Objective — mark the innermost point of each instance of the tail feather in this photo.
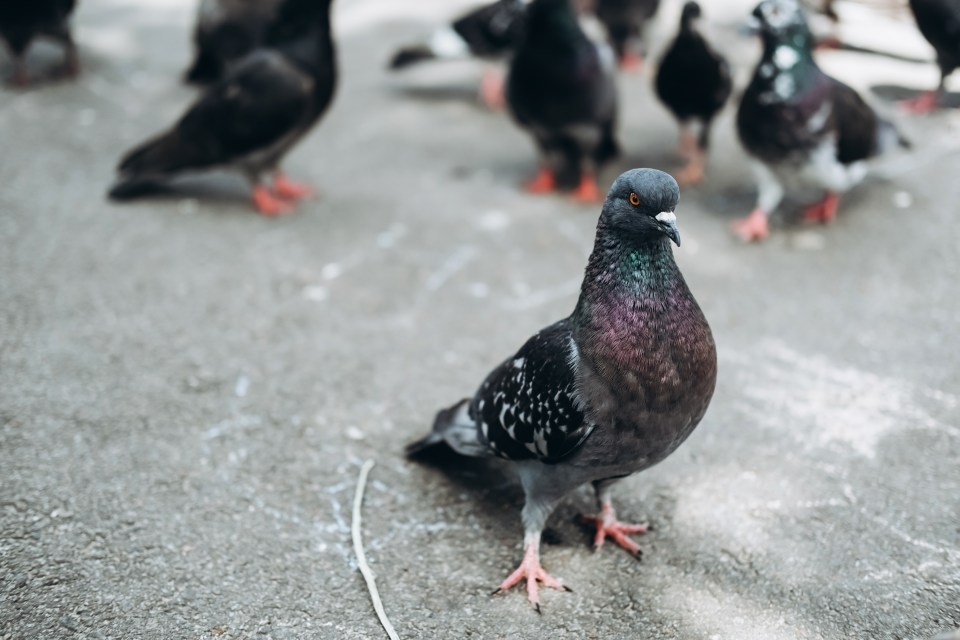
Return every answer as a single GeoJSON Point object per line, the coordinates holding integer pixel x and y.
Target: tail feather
{"type": "Point", "coordinates": [411, 55]}
{"type": "Point", "coordinates": [152, 162]}
{"type": "Point", "coordinates": [453, 429]}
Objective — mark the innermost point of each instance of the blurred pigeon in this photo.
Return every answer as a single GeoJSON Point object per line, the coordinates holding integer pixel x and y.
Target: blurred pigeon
{"type": "Point", "coordinates": [625, 21]}
{"type": "Point", "coordinates": [22, 20]}
{"type": "Point", "coordinates": [250, 119]}
{"type": "Point", "coordinates": [226, 31]}
{"type": "Point", "coordinates": [562, 88]}
{"type": "Point", "coordinates": [801, 126]}
{"type": "Point", "coordinates": [694, 82]}
{"type": "Point", "coordinates": [490, 31]}
{"type": "Point", "coordinates": [604, 393]}
{"type": "Point", "coordinates": [939, 22]}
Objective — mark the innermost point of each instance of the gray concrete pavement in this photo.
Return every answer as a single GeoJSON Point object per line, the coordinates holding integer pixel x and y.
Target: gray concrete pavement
{"type": "Point", "coordinates": [187, 390]}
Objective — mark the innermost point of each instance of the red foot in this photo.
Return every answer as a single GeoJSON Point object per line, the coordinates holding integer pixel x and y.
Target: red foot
{"type": "Point", "coordinates": [543, 182]}
{"type": "Point", "coordinates": [693, 173]}
{"type": "Point", "coordinates": [267, 204]}
{"type": "Point", "coordinates": [922, 104]}
{"type": "Point", "coordinates": [587, 191]}
{"type": "Point", "coordinates": [531, 571]}
{"type": "Point", "coordinates": [287, 189]}
{"type": "Point", "coordinates": [491, 90]}
{"type": "Point", "coordinates": [829, 42]}
{"type": "Point", "coordinates": [824, 211]}
{"type": "Point", "coordinates": [608, 526]}
{"type": "Point", "coordinates": [753, 227]}
{"type": "Point", "coordinates": [631, 61]}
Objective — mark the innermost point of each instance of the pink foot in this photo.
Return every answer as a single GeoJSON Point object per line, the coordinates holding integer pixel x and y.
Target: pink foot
{"type": "Point", "coordinates": [609, 527]}
{"type": "Point", "coordinates": [287, 189]}
{"type": "Point", "coordinates": [922, 104]}
{"type": "Point", "coordinates": [753, 227]}
{"type": "Point", "coordinates": [267, 204]}
{"type": "Point", "coordinates": [531, 571]}
{"type": "Point", "coordinates": [824, 211]}
{"type": "Point", "coordinates": [587, 191]}
{"type": "Point", "coordinates": [693, 173]}
{"type": "Point", "coordinates": [543, 182]}
{"type": "Point", "coordinates": [632, 62]}
{"type": "Point", "coordinates": [491, 90]}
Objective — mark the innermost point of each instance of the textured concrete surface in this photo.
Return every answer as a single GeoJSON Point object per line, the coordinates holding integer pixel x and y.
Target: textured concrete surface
{"type": "Point", "coordinates": [187, 390]}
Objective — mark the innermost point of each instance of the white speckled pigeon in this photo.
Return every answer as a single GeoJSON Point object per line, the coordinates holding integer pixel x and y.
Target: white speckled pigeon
{"type": "Point", "coordinates": [608, 391]}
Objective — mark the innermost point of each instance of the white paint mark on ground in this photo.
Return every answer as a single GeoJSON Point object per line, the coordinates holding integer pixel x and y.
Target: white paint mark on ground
{"type": "Point", "coordinates": [456, 262]}
{"type": "Point", "coordinates": [231, 424]}
{"type": "Point", "coordinates": [493, 220]}
{"type": "Point", "coordinates": [843, 405]}
{"type": "Point", "coordinates": [242, 386]}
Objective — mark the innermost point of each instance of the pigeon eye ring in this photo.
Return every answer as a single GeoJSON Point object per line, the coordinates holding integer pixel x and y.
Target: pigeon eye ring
{"type": "Point", "coordinates": [634, 199]}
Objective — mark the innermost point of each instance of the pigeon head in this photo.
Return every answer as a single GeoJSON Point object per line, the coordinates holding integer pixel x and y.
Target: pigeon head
{"type": "Point", "coordinates": [640, 206]}
{"type": "Point", "coordinates": [781, 22]}
{"type": "Point", "coordinates": [691, 11]}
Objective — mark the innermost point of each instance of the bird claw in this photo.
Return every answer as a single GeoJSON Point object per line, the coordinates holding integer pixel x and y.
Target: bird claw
{"type": "Point", "coordinates": [269, 205]}
{"type": "Point", "coordinates": [754, 227]}
{"type": "Point", "coordinates": [920, 105]}
{"type": "Point", "coordinates": [287, 189]}
{"type": "Point", "coordinates": [531, 571]}
{"type": "Point", "coordinates": [543, 182]}
{"type": "Point", "coordinates": [609, 527]}
{"type": "Point", "coordinates": [587, 191]}
{"type": "Point", "coordinates": [631, 62]}
{"type": "Point", "coordinates": [824, 211]}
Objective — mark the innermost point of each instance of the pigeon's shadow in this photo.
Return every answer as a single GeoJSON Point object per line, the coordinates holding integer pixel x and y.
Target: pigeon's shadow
{"type": "Point", "coordinates": [209, 189]}
{"type": "Point", "coordinates": [896, 93]}
{"type": "Point", "coordinates": [496, 493]}
{"type": "Point", "coordinates": [441, 93]}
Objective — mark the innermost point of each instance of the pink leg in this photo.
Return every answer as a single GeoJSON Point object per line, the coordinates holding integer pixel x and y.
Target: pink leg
{"type": "Point", "coordinates": [922, 104]}
{"type": "Point", "coordinates": [693, 173]}
{"type": "Point", "coordinates": [824, 211]}
{"type": "Point", "coordinates": [609, 527]}
{"type": "Point", "coordinates": [753, 227]}
{"type": "Point", "coordinates": [531, 571]}
{"type": "Point", "coordinates": [267, 204]}
{"type": "Point", "coordinates": [491, 90]}
{"type": "Point", "coordinates": [287, 189]}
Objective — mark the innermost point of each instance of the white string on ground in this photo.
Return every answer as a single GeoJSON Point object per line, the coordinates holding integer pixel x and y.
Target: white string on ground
{"type": "Point", "coordinates": [361, 556]}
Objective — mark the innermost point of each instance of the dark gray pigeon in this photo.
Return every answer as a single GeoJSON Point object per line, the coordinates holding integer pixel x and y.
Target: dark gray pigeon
{"type": "Point", "coordinates": [490, 31]}
{"type": "Point", "coordinates": [23, 20]}
{"type": "Point", "coordinates": [561, 87]}
{"type": "Point", "coordinates": [251, 118]}
{"type": "Point", "coordinates": [225, 32]}
{"type": "Point", "coordinates": [939, 22]}
{"type": "Point", "coordinates": [802, 127]}
{"type": "Point", "coordinates": [693, 81]}
{"type": "Point", "coordinates": [626, 22]}
{"type": "Point", "coordinates": [606, 392]}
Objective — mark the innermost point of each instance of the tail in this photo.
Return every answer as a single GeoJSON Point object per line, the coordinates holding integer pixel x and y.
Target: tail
{"type": "Point", "coordinates": [152, 162]}
{"type": "Point", "coordinates": [409, 56]}
{"type": "Point", "coordinates": [889, 137]}
{"type": "Point", "coordinates": [444, 43]}
{"type": "Point", "coordinates": [454, 430]}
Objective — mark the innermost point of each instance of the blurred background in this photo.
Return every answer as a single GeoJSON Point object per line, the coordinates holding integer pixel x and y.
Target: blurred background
{"type": "Point", "coordinates": [188, 388]}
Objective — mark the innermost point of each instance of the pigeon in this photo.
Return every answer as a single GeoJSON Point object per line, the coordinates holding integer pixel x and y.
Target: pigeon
{"type": "Point", "coordinates": [21, 21]}
{"type": "Point", "coordinates": [226, 31]}
{"type": "Point", "coordinates": [693, 81]}
{"type": "Point", "coordinates": [625, 21]}
{"type": "Point", "coordinates": [252, 117]}
{"type": "Point", "coordinates": [800, 126]}
{"type": "Point", "coordinates": [608, 391]}
{"type": "Point", "coordinates": [561, 86]}
{"type": "Point", "coordinates": [490, 31]}
{"type": "Point", "coordinates": [939, 22]}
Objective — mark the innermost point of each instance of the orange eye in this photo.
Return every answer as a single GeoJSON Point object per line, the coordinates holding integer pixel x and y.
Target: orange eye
{"type": "Point", "coordinates": [634, 199]}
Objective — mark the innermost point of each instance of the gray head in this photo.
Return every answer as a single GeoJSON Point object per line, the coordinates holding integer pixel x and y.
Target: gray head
{"type": "Point", "coordinates": [640, 206]}
{"type": "Point", "coordinates": [781, 22]}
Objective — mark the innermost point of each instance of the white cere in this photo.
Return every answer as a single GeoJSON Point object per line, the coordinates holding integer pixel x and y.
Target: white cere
{"type": "Point", "coordinates": [667, 217]}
